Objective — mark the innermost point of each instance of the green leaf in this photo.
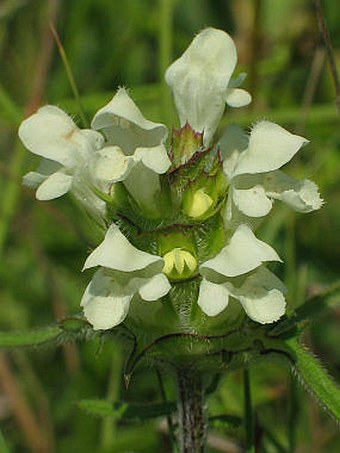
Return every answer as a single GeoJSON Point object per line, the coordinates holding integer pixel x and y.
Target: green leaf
{"type": "Point", "coordinates": [149, 411]}
{"type": "Point", "coordinates": [73, 324]}
{"type": "Point", "coordinates": [316, 378]}
{"type": "Point", "coordinates": [29, 338]}
{"type": "Point", "coordinates": [225, 421]}
{"type": "Point", "coordinates": [102, 408]}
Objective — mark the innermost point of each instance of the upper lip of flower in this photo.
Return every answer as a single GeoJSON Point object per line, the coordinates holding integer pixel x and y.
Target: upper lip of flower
{"type": "Point", "coordinates": [200, 81]}
{"type": "Point", "coordinates": [242, 254]}
{"type": "Point", "coordinates": [116, 253]}
{"type": "Point", "coordinates": [52, 134]}
{"type": "Point", "coordinates": [123, 125]}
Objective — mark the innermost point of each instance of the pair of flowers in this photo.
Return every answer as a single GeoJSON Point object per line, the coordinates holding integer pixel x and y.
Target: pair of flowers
{"type": "Point", "coordinates": [77, 160]}
{"type": "Point", "coordinates": [126, 272]}
{"type": "Point", "coordinates": [131, 149]}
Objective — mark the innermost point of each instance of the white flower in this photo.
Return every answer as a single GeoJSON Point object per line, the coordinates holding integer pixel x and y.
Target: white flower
{"type": "Point", "coordinates": [238, 271]}
{"type": "Point", "coordinates": [52, 134]}
{"type": "Point", "coordinates": [124, 271]}
{"type": "Point", "coordinates": [251, 166]}
{"type": "Point", "coordinates": [200, 81]}
{"type": "Point", "coordinates": [136, 153]}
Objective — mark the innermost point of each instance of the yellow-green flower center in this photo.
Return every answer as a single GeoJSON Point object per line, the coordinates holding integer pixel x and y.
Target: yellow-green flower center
{"type": "Point", "coordinates": [179, 264]}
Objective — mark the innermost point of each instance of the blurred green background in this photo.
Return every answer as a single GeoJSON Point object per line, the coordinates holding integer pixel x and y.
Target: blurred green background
{"type": "Point", "coordinates": [43, 244]}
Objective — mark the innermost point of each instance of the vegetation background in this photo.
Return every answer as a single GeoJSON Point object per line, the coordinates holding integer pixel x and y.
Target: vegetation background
{"type": "Point", "coordinates": [43, 244]}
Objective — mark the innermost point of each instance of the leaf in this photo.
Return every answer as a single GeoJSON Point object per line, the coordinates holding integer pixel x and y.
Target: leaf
{"type": "Point", "coordinates": [315, 377]}
{"type": "Point", "coordinates": [74, 324]}
{"type": "Point", "coordinates": [29, 338]}
{"type": "Point", "coordinates": [150, 411]}
{"type": "Point", "coordinates": [225, 421]}
{"type": "Point", "coordinates": [102, 408]}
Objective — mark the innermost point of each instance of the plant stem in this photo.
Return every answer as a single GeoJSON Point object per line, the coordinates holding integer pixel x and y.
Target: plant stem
{"type": "Point", "coordinates": [329, 48]}
{"type": "Point", "coordinates": [109, 425]}
{"type": "Point", "coordinates": [166, 8]}
{"type": "Point", "coordinates": [70, 76]}
{"type": "Point", "coordinates": [191, 412]}
{"type": "Point", "coordinates": [165, 401]}
{"type": "Point", "coordinates": [248, 413]}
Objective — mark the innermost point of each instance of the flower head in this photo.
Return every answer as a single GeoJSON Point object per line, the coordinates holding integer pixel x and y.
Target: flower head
{"type": "Point", "coordinates": [201, 81]}
{"type": "Point", "coordinates": [193, 208]}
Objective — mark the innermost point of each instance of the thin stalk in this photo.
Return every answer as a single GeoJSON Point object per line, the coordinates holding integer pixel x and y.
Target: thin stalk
{"type": "Point", "coordinates": [165, 53]}
{"type": "Point", "coordinates": [255, 50]}
{"type": "Point", "coordinates": [248, 414]}
{"type": "Point", "coordinates": [168, 417]}
{"type": "Point", "coordinates": [191, 412]}
{"type": "Point", "coordinates": [10, 194]}
{"type": "Point", "coordinates": [109, 425]}
{"type": "Point", "coordinates": [70, 77]}
{"type": "Point", "coordinates": [310, 88]}
{"type": "Point", "coordinates": [329, 48]}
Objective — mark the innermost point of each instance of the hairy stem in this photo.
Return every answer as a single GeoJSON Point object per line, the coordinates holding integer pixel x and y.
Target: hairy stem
{"type": "Point", "coordinates": [191, 412]}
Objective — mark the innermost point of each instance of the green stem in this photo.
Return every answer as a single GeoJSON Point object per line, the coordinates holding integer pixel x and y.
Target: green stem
{"type": "Point", "coordinates": [70, 77]}
{"type": "Point", "coordinates": [191, 412]}
{"type": "Point", "coordinates": [248, 413]}
{"type": "Point", "coordinates": [165, 54]}
{"type": "Point", "coordinates": [165, 401]}
{"type": "Point", "coordinates": [109, 426]}
{"type": "Point", "coordinates": [11, 192]}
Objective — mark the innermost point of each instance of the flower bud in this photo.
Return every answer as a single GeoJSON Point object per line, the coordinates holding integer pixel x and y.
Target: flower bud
{"type": "Point", "coordinates": [179, 264]}
{"type": "Point", "coordinates": [199, 204]}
